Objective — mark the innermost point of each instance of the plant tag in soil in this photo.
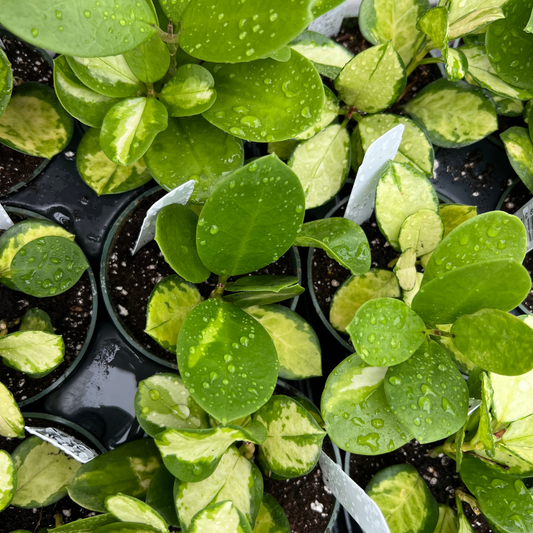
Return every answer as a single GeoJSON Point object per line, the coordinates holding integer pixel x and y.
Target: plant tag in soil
{"type": "Point", "coordinates": [180, 195]}
{"type": "Point", "coordinates": [5, 220]}
{"type": "Point", "coordinates": [352, 497]}
{"type": "Point", "coordinates": [525, 214]}
{"type": "Point", "coordinates": [363, 195]}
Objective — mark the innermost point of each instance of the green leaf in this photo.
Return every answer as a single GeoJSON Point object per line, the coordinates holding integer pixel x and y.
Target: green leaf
{"type": "Point", "coordinates": [386, 332]}
{"type": "Point", "coordinates": [231, 237]}
{"type": "Point", "coordinates": [475, 22]}
{"type": "Point", "coordinates": [373, 79]}
{"type": "Point", "coordinates": [191, 91]}
{"type": "Point", "coordinates": [519, 150]}
{"type": "Point", "coordinates": [227, 360]}
{"type": "Point", "coordinates": [35, 123]}
{"type": "Point", "coordinates": [407, 296]}
{"type": "Point", "coordinates": [484, 433]}
{"type": "Point", "coordinates": [329, 113]}
{"type": "Point", "coordinates": [323, 6]}
{"type": "Point", "coordinates": [173, 10]}
{"type": "Point", "coordinates": [271, 517]}
{"type": "Point", "coordinates": [509, 47]}
{"type": "Point", "coordinates": [232, 32]}
{"type": "Point", "coordinates": [383, 20]}
{"type": "Point", "coordinates": [80, 28]}
{"type": "Point", "coordinates": [294, 440]}
{"type": "Point", "coordinates": [130, 127]}
{"type": "Point", "coordinates": [421, 231]}
{"type": "Point", "coordinates": [8, 479]}
{"type": "Point", "coordinates": [48, 266]}
{"type": "Point", "coordinates": [322, 164]}
{"type": "Point", "coordinates": [508, 107]}
{"type": "Point", "coordinates": [160, 496]}
{"type": "Point", "coordinates": [357, 290]}
{"type": "Point", "coordinates": [483, 73]}
{"type": "Point", "coordinates": [36, 353]}
{"type": "Point", "coordinates": [6, 81]}
{"type": "Point", "coordinates": [129, 509]}
{"type": "Point", "coordinates": [496, 284]}
{"type": "Point", "coordinates": [402, 191]}
{"type": "Point", "coordinates": [36, 320]}
{"type": "Point", "coordinates": [43, 473]}
{"type": "Point", "coordinates": [125, 527]}
{"type": "Point", "coordinates": [464, 524]}
{"type": "Point", "coordinates": [262, 283]}
{"type": "Point", "coordinates": [458, 10]}
{"type": "Point", "coordinates": [453, 114]}
{"type": "Point", "coordinates": [518, 439]}
{"type": "Point", "coordinates": [127, 469]}
{"type": "Point", "coordinates": [434, 405]}
{"type": "Point", "coordinates": [464, 364]}
{"type": "Point", "coordinates": [149, 62]}
{"type": "Point", "coordinates": [83, 103]}
{"type": "Point", "coordinates": [11, 419]}
{"type": "Point", "coordinates": [456, 64]}
{"type": "Point", "coordinates": [454, 215]}
{"type": "Point", "coordinates": [281, 54]}
{"type": "Point", "coordinates": [192, 148]}
{"type": "Point", "coordinates": [513, 396]}
{"type": "Point", "coordinates": [192, 455]}
{"type": "Point", "coordinates": [343, 240]}
{"type": "Point", "coordinates": [405, 270]}
{"type": "Point", "coordinates": [222, 517]}
{"type": "Point", "coordinates": [103, 175]}
{"type": "Point", "coordinates": [404, 499]}
{"type": "Point", "coordinates": [496, 341]}
{"type": "Point", "coordinates": [288, 105]}
{"type": "Point", "coordinates": [284, 149]}
{"type": "Point", "coordinates": [448, 521]}
{"type": "Point", "coordinates": [236, 479]}
{"type": "Point", "coordinates": [357, 416]}
{"type": "Point", "coordinates": [247, 299]}
{"type": "Point", "coordinates": [85, 525]}
{"type": "Point", "coordinates": [328, 56]}
{"type": "Point", "coordinates": [494, 492]}
{"type": "Point", "coordinates": [109, 76]}
{"type": "Point", "coordinates": [295, 340]}
{"type": "Point", "coordinates": [162, 402]}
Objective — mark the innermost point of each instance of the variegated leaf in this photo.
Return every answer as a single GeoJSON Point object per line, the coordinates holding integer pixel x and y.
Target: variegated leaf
{"type": "Point", "coordinates": [6, 81]}
{"type": "Point", "coordinates": [11, 419]}
{"type": "Point", "coordinates": [271, 517]}
{"type": "Point", "coordinates": [8, 479]}
{"type": "Point", "coordinates": [221, 517]}
{"type": "Point", "coordinates": [513, 396]}
{"type": "Point", "coordinates": [129, 509]}
{"type": "Point", "coordinates": [518, 439]}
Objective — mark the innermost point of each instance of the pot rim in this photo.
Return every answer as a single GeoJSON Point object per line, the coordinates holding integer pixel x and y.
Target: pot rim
{"type": "Point", "coordinates": [105, 285]}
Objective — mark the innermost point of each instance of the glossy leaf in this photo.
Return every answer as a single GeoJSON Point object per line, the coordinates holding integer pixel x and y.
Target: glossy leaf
{"type": "Point", "coordinates": [421, 231]}
{"type": "Point", "coordinates": [518, 439]}
{"type": "Point", "coordinates": [323, 6]}
{"type": "Point", "coordinates": [85, 525]}
{"type": "Point", "coordinates": [8, 479]}
{"type": "Point", "coordinates": [221, 517]}
{"type": "Point", "coordinates": [246, 299]}
{"type": "Point", "coordinates": [322, 164]}
{"type": "Point", "coordinates": [453, 114]}
{"type": "Point", "coordinates": [519, 148]}
{"type": "Point", "coordinates": [373, 79]}
{"type": "Point", "coordinates": [6, 81]}
{"type": "Point", "coordinates": [508, 107]}
{"type": "Point", "coordinates": [149, 62]}
{"type": "Point", "coordinates": [36, 320]}
{"type": "Point", "coordinates": [291, 102]}
{"type": "Point", "coordinates": [11, 419]}
{"type": "Point", "coordinates": [330, 112]}
{"type": "Point", "coordinates": [191, 91]}
{"type": "Point", "coordinates": [439, 397]}
{"type": "Point", "coordinates": [407, 296]}
{"type": "Point", "coordinates": [36, 353]}
{"type": "Point", "coordinates": [357, 416]}
{"type": "Point", "coordinates": [34, 122]}
{"type": "Point", "coordinates": [231, 236]}
{"type": "Point", "coordinates": [232, 32]}
{"type": "Point", "coordinates": [101, 174]}
{"type": "Point", "coordinates": [192, 148]}
{"type": "Point", "coordinates": [261, 283]}
{"type": "Point", "coordinates": [129, 509]}
{"type": "Point", "coordinates": [454, 215]}
{"type": "Point", "coordinates": [80, 28]}
{"type": "Point", "coordinates": [160, 496]}
{"type": "Point", "coordinates": [405, 269]}
{"type": "Point", "coordinates": [130, 127]}
{"type": "Point", "coordinates": [172, 10]}
{"type": "Point", "coordinates": [48, 266]}
{"type": "Point", "coordinates": [294, 440]}
{"type": "Point", "coordinates": [513, 396]}
{"type": "Point", "coordinates": [221, 352]}
{"type": "Point", "coordinates": [448, 521]}
{"type": "Point", "coordinates": [127, 469]}
{"type": "Point", "coordinates": [475, 22]}
{"type": "Point", "coordinates": [271, 517]}
{"type": "Point", "coordinates": [43, 473]}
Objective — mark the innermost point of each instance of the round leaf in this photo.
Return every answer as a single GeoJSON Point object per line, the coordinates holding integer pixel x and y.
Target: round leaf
{"type": "Point", "coordinates": [290, 102]}
{"type": "Point", "coordinates": [11, 419]}
{"type": "Point", "coordinates": [160, 496]}
{"type": "Point", "coordinates": [519, 148]}
{"type": "Point", "coordinates": [149, 62]}
{"type": "Point", "coordinates": [231, 236]}
{"type": "Point", "coordinates": [129, 509]}
{"type": "Point", "coordinates": [34, 122]}
{"type": "Point", "coordinates": [271, 517]}
{"type": "Point", "coordinates": [427, 394]}
{"type": "Point", "coordinates": [192, 148]}
{"type": "Point", "coordinates": [513, 396]}
{"type": "Point", "coordinates": [103, 175]}
{"type": "Point", "coordinates": [386, 332]}
{"type": "Point", "coordinates": [357, 415]}
{"type": "Point", "coordinates": [8, 479]}
{"type": "Point", "coordinates": [189, 92]}
{"type": "Point", "coordinates": [329, 113]}
{"type": "Point", "coordinates": [421, 231]}
{"type": "Point", "coordinates": [454, 215]}
{"type": "Point", "coordinates": [508, 107]}
{"type": "Point", "coordinates": [222, 352]}
{"type": "Point", "coordinates": [48, 266]}
{"type": "Point", "coordinates": [6, 81]}
{"type": "Point", "coordinates": [221, 517]}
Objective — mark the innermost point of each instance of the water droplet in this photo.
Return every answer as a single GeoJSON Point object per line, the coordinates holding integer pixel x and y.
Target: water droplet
{"type": "Point", "coordinates": [214, 229]}
{"type": "Point", "coordinates": [35, 32]}
{"type": "Point", "coordinates": [154, 394]}
{"type": "Point", "coordinates": [87, 13]}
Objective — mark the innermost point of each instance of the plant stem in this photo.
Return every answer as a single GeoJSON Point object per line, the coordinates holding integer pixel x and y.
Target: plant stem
{"type": "Point", "coordinates": [218, 292]}
{"type": "Point", "coordinates": [435, 452]}
{"type": "Point", "coordinates": [439, 333]}
{"type": "Point", "coordinates": [470, 500]}
{"type": "Point", "coordinates": [3, 328]}
{"type": "Point", "coordinates": [419, 58]}
{"type": "Point", "coordinates": [58, 517]}
{"type": "Point", "coordinates": [167, 37]}
{"type": "Point", "coordinates": [248, 450]}
{"type": "Point", "coordinates": [150, 90]}
{"type": "Point", "coordinates": [431, 60]}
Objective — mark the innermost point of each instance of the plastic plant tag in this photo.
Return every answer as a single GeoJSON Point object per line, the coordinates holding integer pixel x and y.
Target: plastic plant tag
{"type": "Point", "coordinates": [352, 497]}
{"type": "Point", "coordinates": [330, 23]}
{"type": "Point", "coordinates": [363, 195]}
{"type": "Point", "coordinates": [525, 214]}
{"type": "Point", "coordinates": [66, 443]}
{"type": "Point", "coordinates": [180, 195]}
{"type": "Point", "coordinates": [5, 220]}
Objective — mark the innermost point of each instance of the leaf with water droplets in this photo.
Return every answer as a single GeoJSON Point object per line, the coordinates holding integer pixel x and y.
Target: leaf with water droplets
{"type": "Point", "coordinates": [454, 215]}
{"type": "Point", "coordinates": [129, 509]}
{"type": "Point", "coordinates": [11, 420]}
{"type": "Point", "coordinates": [86, 29]}
{"type": "Point", "coordinates": [223, 517]}
{"type": "Point", "coordinates": [421, 232]}
{"type": "Point", "coordinates": [330, 112]}
{"type": "Point", "coordinates": [519, 148]}
{"type": "Point", "coordinates": [271, 517]}
{"type": "Point", "coordinates": [8, 479]}
{"type": "Point", "coordinates": [323, 6]}
{"type": "Point", "coordinates": [471, 16]}
{"type": "Point", "coordinates": [405, 270]}
{"type": "Point", "coordinates": [149, 62]}
{"type": "Point", "coordinates": [288, 98]}
{"type": "Point", "coordinates": [357, 416]}
{"type": "Point", "coordinates": [386, 332]}
{"type": "Point", "coordinates": [172, 9]}
{"type": "Point", "coordinates": [513, 396]}
{"type": "Point", "coordinates": [294, 439]}
{"type": "Point", "coordinates": [6, 81]}
{"type": "Point", "coordinates": [160, 496]}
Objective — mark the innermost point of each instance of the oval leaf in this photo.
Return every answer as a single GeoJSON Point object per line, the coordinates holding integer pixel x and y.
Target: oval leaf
{"type": "Point", "coordinates": [221, 517]}
{"type": "Point", "coordinates": [6, 81]}
{"type": "Point", "coordinates": [330, 112]}
{"type": "Point", "coordinates": [129, 509]}
{"type": "Point", "coordinates": [421, 232]}
{"type": "Point", "coordinates": [11, 419]}
{"type": "Point", "coordinates": [271, 517]}
{"type": "Point", "coordinates": [8, 479]}
{"type": "Point", "coordinates": [36, 320]}
{"type": "Point", "coordinates": [150, 61]}
{"type": "Point", "coordinates": [519, 148]}
{"type": "Point", "coordinates": [513, 396]}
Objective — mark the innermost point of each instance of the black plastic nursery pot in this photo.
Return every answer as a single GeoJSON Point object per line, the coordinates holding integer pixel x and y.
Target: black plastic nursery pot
{"type": "Point", "coordinates": [72, 317]}
{"type": "Point", "coordinates": [150, 261]}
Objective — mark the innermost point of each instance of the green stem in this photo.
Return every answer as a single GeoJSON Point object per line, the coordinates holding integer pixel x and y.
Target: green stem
{"type": "Point", "coordinates": [419, 58]}
{"type": "Point", "coordinates": [167, 37]}
{"type": "Point", "coordinates": [150, 90]}
{"type": "Point", "coordinates": [439, 333]}
{"type": "Point", "coordinates": [460, 497]}
{"type": "Point", "coordinates": [345, 122]}
{"type": "Point", "coordinates": [431, 60]}
{"type": "Point", "coordinates": [58, 517]}
{"type": "Point", "coordinates": [3, 328]}
{"type": "Point", "coordinates": [218, 292]}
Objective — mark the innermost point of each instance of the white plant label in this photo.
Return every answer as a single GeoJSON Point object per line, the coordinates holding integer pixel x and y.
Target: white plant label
{"type": "Point", "coordinates": [5, 220]}
{"type": "Point", "coordinates": [352, 497]}
{"type": "Point", "coordinates": [525, 214]}
{"type": "Point", "coordinates": [363, 196]}
{"type": "Point", "coordinates": [179, 195]}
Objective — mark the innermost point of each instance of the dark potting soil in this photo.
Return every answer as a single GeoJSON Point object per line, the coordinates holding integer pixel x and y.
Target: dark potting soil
{"type": "Point", "coordinates": [519, 196]}
{"type": "Point", "coordinates": [438, 473]}
{"type": "Point", "coordinates": [70, 314]}
{"type": "Point", "coordinates": [132, 278]}
{"type": "Point", "coordinates": [27, 65]}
